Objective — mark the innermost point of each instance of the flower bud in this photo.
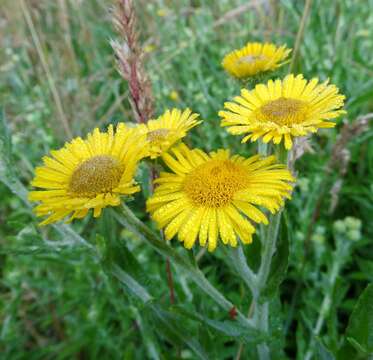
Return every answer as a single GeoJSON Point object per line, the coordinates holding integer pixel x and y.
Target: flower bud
{"type": "Point", "coordinates": [339, 226]}
{"type": "Point", "coordinates": [354, 235]}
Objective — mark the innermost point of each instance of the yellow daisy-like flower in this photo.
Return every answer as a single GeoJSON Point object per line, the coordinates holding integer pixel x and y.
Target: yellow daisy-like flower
{"type": "Point", "coordinates": [283, 109]}
{"type": "Point", "coordinates": [254, 58]}
{"type": "Point", "coordinates": [214, 195]}
{"type": "Point", "coordinates": [165, 131]}
{"type": "Point", "coordinates": [88, 174]}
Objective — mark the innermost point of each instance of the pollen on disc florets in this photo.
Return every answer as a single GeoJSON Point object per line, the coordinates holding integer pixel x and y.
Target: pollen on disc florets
{"type": "Point", "coordinates": [214, 183]}
{"type": "Point", "coordinates": [283, 111]}
{"type": "Point", "coordinates": [99, 174]}
{"type": "Point", "coordinates": [157, 135]}
{"type": "Point", "coordinates": [249, 59]}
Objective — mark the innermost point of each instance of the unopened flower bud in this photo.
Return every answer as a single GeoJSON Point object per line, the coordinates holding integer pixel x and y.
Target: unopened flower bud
{"type": "Point", "coordinates": [354, 235]}
{"type": "Point", "coordinates": [339, 226]}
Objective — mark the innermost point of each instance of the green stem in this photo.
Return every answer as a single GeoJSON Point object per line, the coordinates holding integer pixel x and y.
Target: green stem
{"type": "Point", "coordinates": [339, 256]}
{"type": "Point", "coordinates": [130, 221]}
{"type": "Point", "coordinates": [282, 154]}
{"type": "Point", "coordinates": [262, 148]}
{"type": "Point", "coordinates": [269, 244]}
{"type": "Point", "coordinates": [261, 310]}
{"type": "Point", "coordinates": [269, 249]}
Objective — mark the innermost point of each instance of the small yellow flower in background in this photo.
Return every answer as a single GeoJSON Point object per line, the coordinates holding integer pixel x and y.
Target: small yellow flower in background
{"type": "Point", "coordinates": [88, 174]}
{"type": "Point", "coordinates": [149, 48]}
{"type": "Point", "coordinates": [165, 131]}
{"type": "Point", "coordinates": [208, 196]}
{"type": "Point", "coordinates": [283, 109]}
{"type": "Point", "coordinates": [163, 12]}
{"type": "Point", "coordinates": [254, 58]}
{"type": "Point", "coordinates": [174, 95]}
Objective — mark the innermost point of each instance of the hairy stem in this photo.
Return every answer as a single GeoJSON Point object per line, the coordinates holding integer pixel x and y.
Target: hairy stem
{"type": "Point", "coordinates": [269, 244]}
{"type": "Point", "coordinates": [130, 221]}
{"type": "Point", "coordinates": [261, 310]}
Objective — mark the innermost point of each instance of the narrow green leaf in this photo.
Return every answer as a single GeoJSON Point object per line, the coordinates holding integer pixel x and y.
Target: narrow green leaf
{"type": "Point", "coordinates": [130, 284]}
{"type": "Point", "coordinates": [169, 325]}
{"type": "Point", "coordinates": [149, 338]}
{"type": "Point", "coordinates": [231, 328]}
{"type": "Point", "coordinates": [131, 222]}
{"type": "Point", "coordinates": [5, 140]}
{"type": "Point", "coordinates": [360, 327]}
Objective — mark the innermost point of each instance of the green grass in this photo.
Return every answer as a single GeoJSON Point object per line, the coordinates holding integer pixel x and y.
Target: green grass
{"type": "Point", "coordinates": [58, 300]}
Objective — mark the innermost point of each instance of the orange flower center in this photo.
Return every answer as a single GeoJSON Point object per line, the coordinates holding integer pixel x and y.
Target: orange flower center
{"type": "Point", "coordinates": [214, 183]}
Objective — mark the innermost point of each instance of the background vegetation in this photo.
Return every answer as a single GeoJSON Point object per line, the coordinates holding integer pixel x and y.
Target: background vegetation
{"type": "Point", "coordinates": [58, 79]}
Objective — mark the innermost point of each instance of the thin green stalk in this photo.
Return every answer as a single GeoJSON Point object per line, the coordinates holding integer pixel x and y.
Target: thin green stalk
{"type": "Point", "coordinates": [261, 310]}
{"type": "Point", "coordinates": [48, 73]}
{"type": "Point", "coordinates": [262, 148]}
{"type": "Point", "coordinates": [340, 255]}
{"type": "Point", "coordinates": [262, 321]}
{"type": "Point", "coordinates": [269, 249]}
{"type": "Point", "coordinates": [298, 40]}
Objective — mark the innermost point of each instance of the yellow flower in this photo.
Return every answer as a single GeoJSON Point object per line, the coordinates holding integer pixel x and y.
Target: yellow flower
{"type": "Point", "coordinates": [149, 48]}
{"type": "Point", "coordinates": [282, 109]}
{"type": "Point", "coordinates": [165, 131]}
{"type": "Point", "coordinates": [214, 195]}
{"type": "Point", "coordinates": [254, 58]}
{"type": "Point", "coordinates": [88, 174]}
{"type": "Point", "coordinates": [174, 95]}
{"type": "Point", "coordinates": [163, 12]}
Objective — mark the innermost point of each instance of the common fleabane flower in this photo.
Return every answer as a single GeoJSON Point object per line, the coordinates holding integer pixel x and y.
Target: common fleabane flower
{"type": "Point", "coordinates": [88, 174]}
{"type": "Point", "coordinates": [212, 196]}
{"type": "Point", "coordinates": [254, 58]}
{"type": "Point", "coordinates": [283, 109]}
{"type": "Point", "coordinates": [167, 130]}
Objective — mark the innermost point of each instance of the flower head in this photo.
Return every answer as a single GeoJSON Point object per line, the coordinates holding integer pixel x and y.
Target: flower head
{"type": "Point", "coordinates": [208, 196]}
{"type": "Point", "coordinates": [283, 109]}
{"type": "Point", "coordinates": [165, 131]}
{"type": "Point", "coordinates": [254, 58]}
{"type": "Point", "coordinates": [88, 174]}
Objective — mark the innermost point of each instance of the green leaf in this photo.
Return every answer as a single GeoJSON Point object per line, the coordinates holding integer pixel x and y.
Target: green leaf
{"type": "Point", "coordinates": [348, 352]}
{"type": "Point", "coordinates": [360, 327]}
{"type": "Point", "coordinates": [279, 263]}
{"type": "Point", "coordinates": [131, 222]}
{"type": "Point", "coordinates": [173, 328]}
{"type": "Point", "coordinates": [364, 96]}
{"type": "Point", "coordinates": [231, 328]}
{"type": "Point", "coordinates": [5, 139]}
{"type": "Point", "coordinates": [166, 322]}
{"type": "Point", "coordinates": [133, 287]}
